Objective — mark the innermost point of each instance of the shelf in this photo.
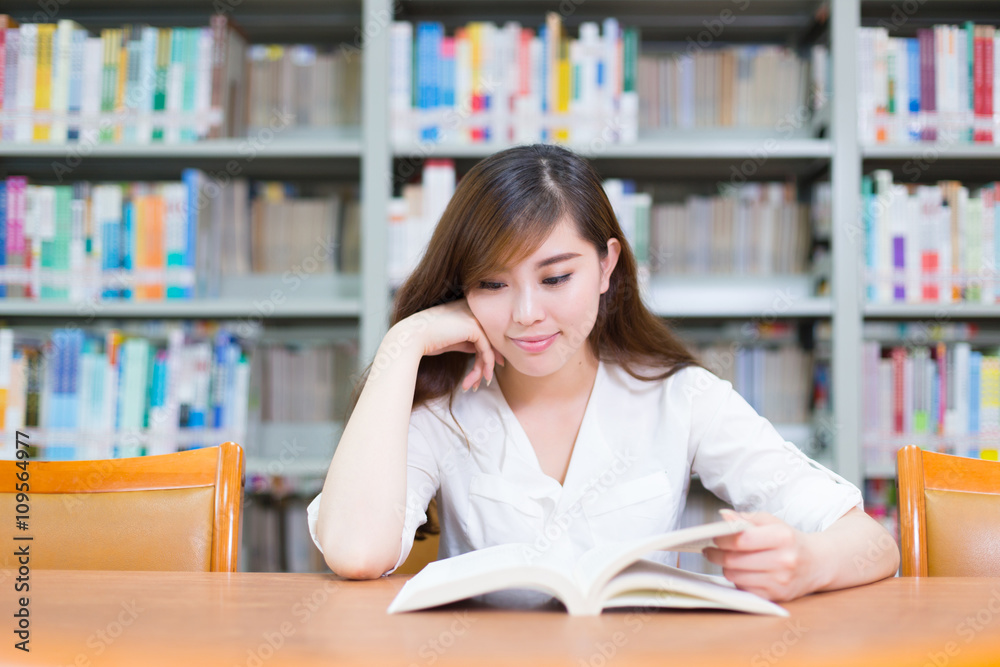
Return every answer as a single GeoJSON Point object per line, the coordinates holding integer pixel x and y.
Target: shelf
{"type": "Point", "coordinates": [660, 20]}
{"type": "Point", "coordinates": [254, 296]}
{"type": "Point", "coordinates": [880, 472]}
{"type": "Point", "coordinates": [942, 311]}
{"type": "Point", "coordinates": [769, 297]}
{"type": "Point", "coordinates": [195, 308]}
{"type": "Point", "coordinates": [682, 148]}
{"type": "Point", "coordinates": [293, 21]}
{"type": "Point", "coordinates": [930, 12]}
{"type": "Point", "coordinates": [932, 150]}
{"type": "Point", "coordinates": [332, 144]}
{"type": "Point", "coordinates": [86, 445]}
{"type": "Point", "coordinates": [292, 448]}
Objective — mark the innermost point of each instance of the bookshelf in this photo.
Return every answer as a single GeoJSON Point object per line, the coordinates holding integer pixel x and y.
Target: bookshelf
{"type": "Point", "coordinates": [825, 147]}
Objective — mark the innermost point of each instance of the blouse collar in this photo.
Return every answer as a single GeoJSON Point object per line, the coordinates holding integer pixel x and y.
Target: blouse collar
{"type": "Point", "coordinates": [518, 463]}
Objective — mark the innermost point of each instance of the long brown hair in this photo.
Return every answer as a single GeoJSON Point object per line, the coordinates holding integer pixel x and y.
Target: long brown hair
{"type": "Point", "coordinates": [502, 210]}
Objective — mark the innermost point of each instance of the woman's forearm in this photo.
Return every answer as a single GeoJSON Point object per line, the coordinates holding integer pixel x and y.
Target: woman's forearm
{"type": "Point", "coordinates": [855, 550]}
{"type": "Point", "coordinates": [361, 509]}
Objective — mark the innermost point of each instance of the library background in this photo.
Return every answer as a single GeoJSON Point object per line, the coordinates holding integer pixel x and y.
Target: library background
{"type": "Point", "coordinates": [205, 209]}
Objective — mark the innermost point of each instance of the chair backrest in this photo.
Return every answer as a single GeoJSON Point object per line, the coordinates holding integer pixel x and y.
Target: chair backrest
{"type": "Point", "coordinates": [178, 511]}
{"type": "Point", "coordinates": [949, 514]}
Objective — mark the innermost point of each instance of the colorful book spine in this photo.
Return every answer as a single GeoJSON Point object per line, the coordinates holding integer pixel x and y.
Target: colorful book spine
{"type": "Point", "coordinates": [43, 80]}
{"type": "Point", "coordinates": [74, 103]}
{"type": "Point", "coordinates": [128, 241]}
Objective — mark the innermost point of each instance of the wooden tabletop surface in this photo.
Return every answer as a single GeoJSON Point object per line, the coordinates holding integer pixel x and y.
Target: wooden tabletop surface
{"type": "Point", "coordinates": [182, 619]}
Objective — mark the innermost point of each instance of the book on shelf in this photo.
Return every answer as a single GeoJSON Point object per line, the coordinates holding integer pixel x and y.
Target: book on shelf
{"type": "Point", "coordinates": [107, 394]}
{"type": "Point", "coordinates": [929, 243]}
{"type": "Point", "coordinates": [881, 502]}
{"type": "Point", "coordinates": [304, 382]}
{"type": "Point", "coordinates": [776, 380]}
{"type": "Point", "coordinates": [939, 85]}
{"type": "Point", "coordinates": [511, 83]}
{"type": "Point", "coordinates": [605, 577]}
{"type": "Point", "coordinates": [317, 88]}
{"type": "Point", "coordinates": [143, 84]}
{"type": "Point", "coordinates": [748, 229]}
{"type": "Point", "coordinates": [276, 537]}
{"type": "Point", "coordinates": [748, 86]}
{"type": "Point", "coordinates": [168, 240]}
{"type": "Point", "coordinates": [943, 396]}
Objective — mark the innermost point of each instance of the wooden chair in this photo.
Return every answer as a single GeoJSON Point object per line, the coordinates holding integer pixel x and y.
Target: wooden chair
{"type": "Point", "coordinates": [949, 514]}
{"type": "Point", "coordinates": [178, 511]}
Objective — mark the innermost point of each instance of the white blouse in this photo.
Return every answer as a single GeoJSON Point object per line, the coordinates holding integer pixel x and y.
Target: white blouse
{"type": "Point", "coordinates": [628, 474]}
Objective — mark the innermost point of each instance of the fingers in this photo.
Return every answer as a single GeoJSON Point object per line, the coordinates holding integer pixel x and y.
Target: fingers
{"type": "Point", "coordinates": [763, 584]}
{"type": "Point", "coordinates": [754, 539]}
{"type": "Point", "coordinates": [753, 561]}
{"type": "Point", "coordinates": [483, 369]}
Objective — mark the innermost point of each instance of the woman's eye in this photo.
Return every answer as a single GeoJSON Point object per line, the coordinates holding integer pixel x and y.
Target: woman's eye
{"type": "Point", "coordinates": [491, 286]}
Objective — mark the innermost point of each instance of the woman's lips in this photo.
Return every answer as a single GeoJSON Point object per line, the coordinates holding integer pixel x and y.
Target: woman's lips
{"type": "Point", "coordinates": [535, 346]}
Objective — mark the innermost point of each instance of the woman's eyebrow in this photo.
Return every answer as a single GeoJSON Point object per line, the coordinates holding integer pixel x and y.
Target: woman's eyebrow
{"type": "Point", "coordinates": [555, 259]}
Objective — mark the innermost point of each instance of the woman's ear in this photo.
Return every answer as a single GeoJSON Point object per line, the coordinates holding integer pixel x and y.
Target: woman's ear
{"type": "Point", "coordinates": [609, 263]}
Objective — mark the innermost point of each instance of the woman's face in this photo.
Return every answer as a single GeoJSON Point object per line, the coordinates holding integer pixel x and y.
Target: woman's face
{"type": "Point", "coordinates": [554, 293]}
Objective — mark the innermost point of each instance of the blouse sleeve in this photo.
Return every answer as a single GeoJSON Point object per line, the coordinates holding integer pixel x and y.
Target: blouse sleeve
{"type": "Point", "coordinates": [742, 459]}
{"type": "Point", "coordinates": [422, 482]}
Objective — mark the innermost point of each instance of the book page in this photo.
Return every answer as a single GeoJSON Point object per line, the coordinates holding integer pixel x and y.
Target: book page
{"type": "Point", "coordinates": [600, 564]}
{"type": "Point", "coordinates": [648, 583]}
{"type": "Point", "coordinates": [487, 570]}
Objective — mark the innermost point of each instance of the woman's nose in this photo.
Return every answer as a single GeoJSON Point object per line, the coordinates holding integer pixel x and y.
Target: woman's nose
{"type": "Point", "coordinates": [527, 306]}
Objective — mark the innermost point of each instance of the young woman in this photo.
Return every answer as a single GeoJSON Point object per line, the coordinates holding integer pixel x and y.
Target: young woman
{"type": "Point", "coordinates": [587, 415]}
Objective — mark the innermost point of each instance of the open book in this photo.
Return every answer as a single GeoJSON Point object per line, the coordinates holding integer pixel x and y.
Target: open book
{"type": "Point", "coordinates": [609, 575]}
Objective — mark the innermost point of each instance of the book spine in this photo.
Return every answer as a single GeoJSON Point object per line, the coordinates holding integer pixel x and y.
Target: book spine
{"type": "Point", "coordinates": [3, 240]}
{"type": "Point", "coordinates": [43, 81]}
{"type": "Point", "coordinates": [989, 71]}
{"type": "Point", "coordinates": [163, 59]}
{"type": "Point", "coordinates": [128, 242]}
{"type": "Point", "coordinates": [4, 84]}
{"type": "Point", "coordinates": [175, 85]}
{"type": "Point", "coordinates": [401, 80]}
{"type": "Point", "coordinates": [26, 87]}
{"type": "Point", "coordinates": [10, 92]}
{"type": "Point", "coordinates": [132, 92]}
{"type": "Point", "coordinates": [928, 94]}
{"type": "Point", "coordinates": [75, 101]}
{"type": "Point", "coordinates": [120, 47]}
{"type": "Point", "coordinates": [219, 24]}
{"type": "Point", "coordinates": [913, 94]}
{"type": "Point", "coordinates": [142, 240]}
{"type": "Point", "coordinates": [967, 76]}
{"type": "Point", "coordinates": [191, 179]}
{"type": "Point", "coordinates": [146, 82]}
{"type": "Point", "coordinates": [107, 86]}
{"type": "Point", "coordinates": [191, 39]}
{"type": "Point", "coordinates": [203, 92]}
{"type": "Point", "coordinates": [6, 361]}
{"type": "Point", "coordinates": [156, 252]}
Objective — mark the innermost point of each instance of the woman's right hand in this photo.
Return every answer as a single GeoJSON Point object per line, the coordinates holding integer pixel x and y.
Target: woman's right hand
{"type": "Point", "coordinates": [451, 327]}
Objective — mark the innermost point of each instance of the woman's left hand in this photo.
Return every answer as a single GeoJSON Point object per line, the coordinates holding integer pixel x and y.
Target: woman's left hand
{"type": "Point", "coordinates": [771, 559]}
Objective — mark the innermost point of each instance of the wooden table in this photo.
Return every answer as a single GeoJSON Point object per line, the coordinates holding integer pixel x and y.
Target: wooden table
{"type": "Point", "coordinates": [184, 619]}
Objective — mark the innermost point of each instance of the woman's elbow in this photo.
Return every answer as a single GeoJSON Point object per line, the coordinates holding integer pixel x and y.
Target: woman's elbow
{"type": "Point", "coordinates": [357, 564]}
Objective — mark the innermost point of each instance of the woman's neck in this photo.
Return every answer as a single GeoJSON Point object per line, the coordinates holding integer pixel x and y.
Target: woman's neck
{"type": "Point", "coordinates": [570, 384]}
